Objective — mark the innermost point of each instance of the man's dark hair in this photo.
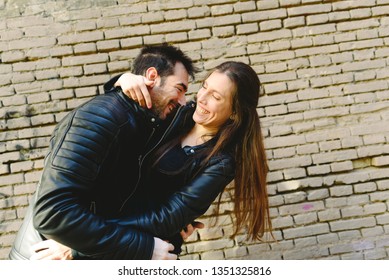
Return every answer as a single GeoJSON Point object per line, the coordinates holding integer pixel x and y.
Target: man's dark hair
{"type": "Point", "coordinates": [163, 57]}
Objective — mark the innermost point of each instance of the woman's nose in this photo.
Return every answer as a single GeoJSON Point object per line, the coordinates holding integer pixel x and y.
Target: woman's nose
{"type": "Point", "coordinates": [201, 97]}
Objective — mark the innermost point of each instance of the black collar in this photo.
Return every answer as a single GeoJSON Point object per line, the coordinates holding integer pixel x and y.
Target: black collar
{"type": "Point", "coordinates": [151, 119]}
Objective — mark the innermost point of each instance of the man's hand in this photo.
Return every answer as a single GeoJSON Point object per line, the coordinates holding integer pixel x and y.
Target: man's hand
{"type": "Point", "coordinates": [135, 87]}
{"type": "Point", "coordinates": [162, 250]}
{"type": "Point", "coordinates": [51, 250]}
{"type": "Point", "coordinates": [189, 229]}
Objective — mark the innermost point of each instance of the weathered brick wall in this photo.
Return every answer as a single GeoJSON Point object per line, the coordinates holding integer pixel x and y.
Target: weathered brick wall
{"type": "Point", "coordinates": [324, 111]}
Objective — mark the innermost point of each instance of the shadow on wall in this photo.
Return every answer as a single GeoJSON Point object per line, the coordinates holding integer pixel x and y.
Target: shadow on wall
{"type": "Point", "coordinates": [3, 198]}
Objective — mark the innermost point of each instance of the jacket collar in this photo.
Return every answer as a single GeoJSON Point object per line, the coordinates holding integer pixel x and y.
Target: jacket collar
{"type": "Point", "coordinates": [148, 116]}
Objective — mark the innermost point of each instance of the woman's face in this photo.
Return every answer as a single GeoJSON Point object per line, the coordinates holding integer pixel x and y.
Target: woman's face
{"type": "Point", "coordinates": [214, 101]}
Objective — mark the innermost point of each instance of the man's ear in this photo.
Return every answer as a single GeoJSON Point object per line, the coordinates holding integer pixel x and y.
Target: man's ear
{"type": "Point", "coordinates": [152, 75]}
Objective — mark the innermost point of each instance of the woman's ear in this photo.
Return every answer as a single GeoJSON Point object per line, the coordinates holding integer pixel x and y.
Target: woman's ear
{"type": "Point", "coordinates": [152, 75]}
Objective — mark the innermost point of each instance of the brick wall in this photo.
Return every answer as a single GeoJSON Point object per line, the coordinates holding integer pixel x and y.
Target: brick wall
{"type": "Point", "coordinates": [324, 109]}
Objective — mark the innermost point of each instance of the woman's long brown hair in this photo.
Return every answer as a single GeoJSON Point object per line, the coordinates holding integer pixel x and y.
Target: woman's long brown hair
{"type": "Point", "coordinates": [243, 133]}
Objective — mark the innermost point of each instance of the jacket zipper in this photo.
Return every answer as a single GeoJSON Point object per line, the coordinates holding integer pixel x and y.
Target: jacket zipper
{"type": "Point", "coordinates": [92, 207]}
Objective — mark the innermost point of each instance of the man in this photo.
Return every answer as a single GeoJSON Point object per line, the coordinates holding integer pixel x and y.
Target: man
{"type": "Point", "coordinates": [92, 167]}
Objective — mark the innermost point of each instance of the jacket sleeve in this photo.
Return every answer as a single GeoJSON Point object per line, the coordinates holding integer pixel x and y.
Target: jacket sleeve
{"type": "Point", "coordinates": [187, 204]}
{"type": "Point", "coordinates": [68, 180]}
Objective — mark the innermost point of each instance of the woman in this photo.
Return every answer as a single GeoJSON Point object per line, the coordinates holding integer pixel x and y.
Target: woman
{"type": "Point", "coordinates": [218, 139]}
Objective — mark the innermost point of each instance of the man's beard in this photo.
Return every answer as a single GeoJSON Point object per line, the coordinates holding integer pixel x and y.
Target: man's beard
{"type": "Point", "coordinates": [157, 101]}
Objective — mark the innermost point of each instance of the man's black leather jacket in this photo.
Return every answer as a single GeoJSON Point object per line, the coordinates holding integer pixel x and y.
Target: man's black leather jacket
{"type": "Point", "coordinates": [87, 178]}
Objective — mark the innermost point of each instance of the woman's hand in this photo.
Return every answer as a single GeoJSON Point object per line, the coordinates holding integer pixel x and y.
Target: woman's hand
{"type": "Point", "coordinates": [135, 87]}
{"type": "Point", "coordinates": [189, 229]}
{"type": "Point", "coordinates": [51, 250]}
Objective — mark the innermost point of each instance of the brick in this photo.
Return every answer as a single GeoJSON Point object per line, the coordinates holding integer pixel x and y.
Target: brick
{"type": "Point", "coordinates": [153, 17]}
{"type": "Point", "coordinates": [224, 31]}
{"type": "Point", "coordinates": [307, 230]}
{"type": "Point", "coordinates": [307, 149]}
{"type": "Point", "coordinates": [380, 161]}
{"type": "Point", "coordinates": [361, 13]}
{"type": "Point", "coordinates": [123, 55]}
{"type": "Point", "coordinates": [84, 25]}
{"type": "Point", "coordinates": [329, 215]}
{"type": "Point", "coordinates": [48, 63]}
{"type": "Point", "coordinates": [294, 22]}
{"type": "Point", "coordinates": [357, 199]}
{"type": "Point", "coordinates": [352, 141]}
{"type": "Point", "coordinates": [107, 22]}
{"type": "Point", "coordinates": [341, 190]}
{"type": "Point", "coordinates": [282, 222]}
{"type": "Point", "coordinates": [270, 25]}
{"type": "Point", "coordinates": [360, 45]}
{"type": "Point", "coordinates": [236, 252]}
{"type": "Point", "coordinates": [84, 59]}
{"type": "Point", "coordinates": [276, 110]}
{"type": "Point", "coordinates": [275, 88]}
{"type": "Point", "coordinates": [382, 219]}
{"type": "Point", "coordinates": [284, 153]}
{"type": "Point", "coordinates": [212, 255]}
{"type": "Point", "coordinates": [209, 245]}
{"type": "Point", "coordinates": [211, 233]}
{"type": "Point", "coordinates": [118, 66]}
{"type": "Point", "coordinates": [134, 8]}
{"type": "Point", "coordinates": [370, 150]}
{"type": "Point", "coordinates": [306, 218]}
{"type": "Point", "coordinates": [266, 5]}
{"type": "Point", "coordinates": [368, 23]}
{"type": "Point", "coordinates": [353, 211]}
{"type": "Point", "coordinates": [357, 223]}
{"type": "Point", "coordinates": [305, 242]}
{"type": "Point", "coordinates": [12, 56]}
{"type": "Point", "coordinates": [198, 12]}
{"type": "Point", "coordinates": [290, 163]}
{"type": "Point", "coordinates": [295, 197]}
{"type": "Point", "coordinates": [199, 34]}
{"type": "Point", "coordinates": [309, 253]}
{"type": "Point", "coordinates": [375, 208]}
{"type": "Point", "coordinates": [294, 173]}
{"type": "Point", "coordinates": [62, 94]}
{"type": "Point", "coordinates": [170, 27]}
{"type": "Point", "coordinates": [29, 21]}
{"type": "Point", "coordinates": [351, 4]}
{"type": "Point", "coordinates": [327, 238]}
{"type": "Point", "coordinates": [349, 235]}
{"type": "Point", "coordinates": [38, 98]}
{"type": "Point", "coordinates": [95, 69]}
{"type": "Point", "coordinates": [352, 256]}
{"type": "Point", "coordinates": [301, 208]}
{"type": "Point", "coordinates": [284, 141]}
{"type": "Point", "coordinates": [375, 254]}
{"type": "Point", "coordinates": [335, 202]}
{"type": "Point", "coordinates": [269, 36]}
{"type": "Point", "coordinates": [365, 187]}
{"type": "Point", "coordinates": [85, 48]}
{"type": "Point", "coordinates": [318, 194]}
{"type": "Point", "coordinates": [177, 37]}
{"type": "Point", "coordinates": [330, 145]}
{"type": "Point", "coordinates": [132, 20]}
{"type": "Point", "coordinates": [383, 185]}
{"type": "Point", "coordinates": [218, 10]}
